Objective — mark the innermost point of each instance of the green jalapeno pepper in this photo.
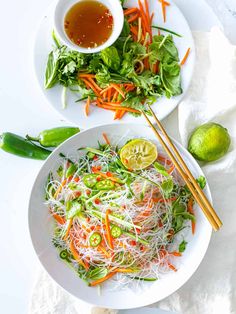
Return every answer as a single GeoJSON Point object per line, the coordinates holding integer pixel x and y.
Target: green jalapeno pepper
{"type": "Point", "coordinates": [90, 180]}
{"type": "Point", "coordinates": [116, 232]}
{"type": "Point", "coordinates": [17, 145]}
{"type": "Point", "coordinates": [95, 239]}
{"type": "Point", "coordinates": [54, 137]}
{"type": "Point", "coordinates": [105, 185]}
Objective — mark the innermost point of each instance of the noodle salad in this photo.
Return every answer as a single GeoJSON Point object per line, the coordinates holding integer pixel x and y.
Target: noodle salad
{"type": "Point", "coordinates": [117, 221]}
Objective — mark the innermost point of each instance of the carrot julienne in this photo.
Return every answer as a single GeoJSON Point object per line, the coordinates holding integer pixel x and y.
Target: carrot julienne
{"type": "Point", "coordinates": [106, 138]}
{"type": "Point", "coordinates": [185, 57]}
{"type": "Point", "coordinates": [87, 106]}
{"type": "Point", "coordinates": [130, 11]}
{"type": "Point", "coordinates": [97, 282]}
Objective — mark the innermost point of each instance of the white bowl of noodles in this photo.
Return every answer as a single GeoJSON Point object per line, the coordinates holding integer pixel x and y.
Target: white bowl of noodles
{"type": "Point", "coordinates": [114, 293]}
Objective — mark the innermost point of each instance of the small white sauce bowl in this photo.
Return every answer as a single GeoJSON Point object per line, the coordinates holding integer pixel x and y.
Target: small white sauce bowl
{"type": "Point", "coordinates": [63, 6]}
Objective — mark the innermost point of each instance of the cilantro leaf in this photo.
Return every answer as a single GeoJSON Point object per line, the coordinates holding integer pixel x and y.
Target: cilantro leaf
{"type": "Point", "coordinates": [201, 182]}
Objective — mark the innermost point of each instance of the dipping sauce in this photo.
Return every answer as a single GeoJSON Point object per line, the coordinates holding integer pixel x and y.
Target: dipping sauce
{"type": "Point", "coordinates": [88, 23]}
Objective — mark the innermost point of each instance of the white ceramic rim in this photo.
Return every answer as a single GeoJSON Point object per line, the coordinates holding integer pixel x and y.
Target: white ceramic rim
{"type": "Point", "coordinates": [139, 302]}
{"type": "Point", "coordinates": [62, 7]}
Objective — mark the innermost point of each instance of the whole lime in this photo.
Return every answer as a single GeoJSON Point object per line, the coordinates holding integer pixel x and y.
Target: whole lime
{"type": "Point", "coordinates": [209, 142]}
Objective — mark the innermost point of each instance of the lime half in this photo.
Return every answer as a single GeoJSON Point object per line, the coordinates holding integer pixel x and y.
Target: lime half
{"type": "Point", "coordinates": [138, 154]}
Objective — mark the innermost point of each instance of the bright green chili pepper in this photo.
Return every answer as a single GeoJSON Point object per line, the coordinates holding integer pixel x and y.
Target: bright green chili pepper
{"type": "Point", "coordinates": [54, 137]}
{"type": "Point", "coordinates": [116, 232]}
{"type": "Point", "coordinates": [90, 180]}
{"type": "Point", "coordinates": [17, 145]}
{"type": "Point", "coordinates": [105, 185]}
{"type": "Point", "coordinates": [95, 239]}
{"type": "Point", "coordinates": [65, 256]}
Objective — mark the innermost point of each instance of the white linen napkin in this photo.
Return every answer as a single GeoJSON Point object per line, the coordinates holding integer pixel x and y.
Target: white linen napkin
{"type": "Point", "coordinates": [212, 289]}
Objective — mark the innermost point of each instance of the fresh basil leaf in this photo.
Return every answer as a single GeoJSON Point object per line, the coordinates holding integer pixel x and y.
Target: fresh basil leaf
{"type": "Point", "coordinates": [201, 182]}
{"type": "Point", "coordinates": [97, 273]}
{"type": "Point", "coordinates": [182, 246]}
{"type": "Point", "coordinates": [161, 169]}
{"type": "Point", "coordinates": [111, 58]}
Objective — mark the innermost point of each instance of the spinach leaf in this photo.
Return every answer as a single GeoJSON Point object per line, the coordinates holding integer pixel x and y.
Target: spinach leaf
{"type": "Point", "coordinates": [171, 79]}
{"type": "Point", "coordinates": [111, 58]}
{"type": "Point", "coordinates": [182, 246]}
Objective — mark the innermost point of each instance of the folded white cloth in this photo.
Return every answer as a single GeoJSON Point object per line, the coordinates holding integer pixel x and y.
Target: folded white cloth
{"type": "Point", "coordinates": [212, 289]}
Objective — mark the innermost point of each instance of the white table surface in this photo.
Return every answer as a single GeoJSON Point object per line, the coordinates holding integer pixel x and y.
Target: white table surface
{"type": "Point", "coordinates": [23, 109]}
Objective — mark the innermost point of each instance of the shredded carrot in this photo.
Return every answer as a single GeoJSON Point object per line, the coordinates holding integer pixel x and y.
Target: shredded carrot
{"type": "Point", "coordinates": [58, 191]}
{"type": "Point", "coordinates": [97, 282]}
{"type": "Point", "coordinates": [68, 229]}
{"type": "Point", "coordinates": [107, 224]}
{"type": "Point", "coordinates": [163, 200]}
{"type": "Point", "coordinates": [171, 169]}
{"type": "Point", "coordinates": [148, 18]}
{"type": "Point", "coordinates": [144, 17]}
{"type": "Point", "coordinates": [108, 107]}
{"type": "Point", "coordinates": [115, 96]}
{"type": "Point", "coordinates": [151, 19]}
{"type": "Point", "coordinates": [86, 75]}
{"type": "Point", "coordinates": [76, 255]}
{"type": "Point", "coordinates": [59, 219]}
{"type": "Point", "coordinates": [117, 103]}
{"type": "Point", "coordinates": [106, 90]}
{"type": "Point", "coordinates": [124, 270]}
{"type": "Point", "coordinates": [172, 267]}
{"type": "Point", "coordinates": [122, 114]}
{"type": "Point", "coordinates": [114, 179]}
{"type": "Point", "coordinates": [164, 159]}
{"type": "Point", "coordinates": [106, 138]}
{"type": "Point", "coordinates": [185, 57]}
{"type": "Point", "coordinates": [117, 114]}
{"type": "Point", "coordinates": [109, 95]}
{"type": "Point", "coordinates": [98, 88]}
{"type": "Point", "coordinates": [87, 106]}
{"type": "Point", "coordinates": [175, 253]}
{"type": "Point", "coordinates": [165, 2]}
{"type": "Point", "coordinates": [89, 84]}
{"type": "Point", "coordinates": [133, 18]}
{"type": "Point", "coordinates": [130, 11]}
{"type": "Point", "coordinates": [163, 7]}
{"type": "Point", "coordinates": [104, 251]}
{"type": "Point", "coordinates": [134, 30]}
{"type": "Point", "coordinates": [118, 89]}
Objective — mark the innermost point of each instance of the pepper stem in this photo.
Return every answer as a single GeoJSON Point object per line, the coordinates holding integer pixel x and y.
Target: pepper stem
{"type": "Point", "coordinates": [30, 138]}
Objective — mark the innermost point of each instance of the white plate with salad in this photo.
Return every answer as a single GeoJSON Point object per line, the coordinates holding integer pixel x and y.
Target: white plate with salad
{"type": "Point", "coordinates": [143, 65]}
{"type": "Point", "coordinates": [111, 220]}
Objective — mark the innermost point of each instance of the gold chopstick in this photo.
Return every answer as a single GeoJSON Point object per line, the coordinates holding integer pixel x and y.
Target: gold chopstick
{"type": "Point", "coordinates": [186, 174]}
